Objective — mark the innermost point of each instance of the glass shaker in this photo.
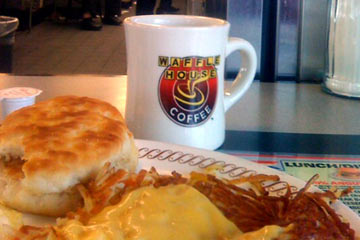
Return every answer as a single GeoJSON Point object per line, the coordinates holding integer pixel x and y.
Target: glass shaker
{"type": "Point", "coordinates": [343, 52]}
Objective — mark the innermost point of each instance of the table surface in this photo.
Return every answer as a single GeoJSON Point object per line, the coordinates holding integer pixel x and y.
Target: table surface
{"type": "Point", "coordinates": [270, 117]}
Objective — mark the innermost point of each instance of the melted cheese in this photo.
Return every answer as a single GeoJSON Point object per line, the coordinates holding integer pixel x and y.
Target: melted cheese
{"type": "Point", "coordinates": [271, 232]}
{"type": "Point", "coordinates": [172, 212]}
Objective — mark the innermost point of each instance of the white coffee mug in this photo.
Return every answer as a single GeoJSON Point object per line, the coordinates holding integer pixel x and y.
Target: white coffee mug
{"type": "Point", "coordinates": [175, 88]}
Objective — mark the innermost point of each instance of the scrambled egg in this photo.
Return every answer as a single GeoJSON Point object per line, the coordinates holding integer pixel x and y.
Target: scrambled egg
{"type": "Point", "coordinates": [174, 212]}
{"type": "Point", "coordinates": [10, 217]}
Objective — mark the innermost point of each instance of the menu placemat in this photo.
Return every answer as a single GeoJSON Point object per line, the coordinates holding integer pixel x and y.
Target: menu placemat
{"type": "Point", "coordinates": [334, 170]}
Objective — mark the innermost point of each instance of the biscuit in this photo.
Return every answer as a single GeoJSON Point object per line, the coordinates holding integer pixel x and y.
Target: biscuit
{"type": "Point", "coordinates": [48, 148]}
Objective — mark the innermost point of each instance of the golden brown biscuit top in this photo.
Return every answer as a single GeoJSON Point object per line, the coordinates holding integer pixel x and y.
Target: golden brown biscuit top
{"type": "Point", "coordinates": [65, 137]}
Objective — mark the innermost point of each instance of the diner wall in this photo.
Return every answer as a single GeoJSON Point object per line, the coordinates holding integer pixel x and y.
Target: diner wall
{"type": "Point", "coordinates": [289, 37]}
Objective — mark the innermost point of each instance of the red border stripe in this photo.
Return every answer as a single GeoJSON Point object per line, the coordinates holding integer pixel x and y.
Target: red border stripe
{"type": "Point", "coordinates": [267, 162]}
{"type": "Point", "coordinates": [294, 157]}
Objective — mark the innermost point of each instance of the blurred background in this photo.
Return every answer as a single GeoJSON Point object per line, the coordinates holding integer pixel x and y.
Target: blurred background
{"type": "Point", "coordinates": [289, 37]}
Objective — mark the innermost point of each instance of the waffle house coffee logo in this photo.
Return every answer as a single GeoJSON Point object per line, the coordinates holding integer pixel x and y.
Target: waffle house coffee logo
{"type": "Point", "coordinates": [187, 88]}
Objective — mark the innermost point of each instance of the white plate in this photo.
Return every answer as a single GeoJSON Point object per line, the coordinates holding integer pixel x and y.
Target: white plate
{"type": "Point", "coordinates": [168, 157]}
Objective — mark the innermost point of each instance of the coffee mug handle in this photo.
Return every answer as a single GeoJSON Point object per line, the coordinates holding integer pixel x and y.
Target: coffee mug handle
{"type": "Point", "coordinates": [246, 73]}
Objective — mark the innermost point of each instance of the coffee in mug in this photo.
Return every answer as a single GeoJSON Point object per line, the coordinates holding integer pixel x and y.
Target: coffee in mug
{"type": "Point", "coordinates": [175, 87]}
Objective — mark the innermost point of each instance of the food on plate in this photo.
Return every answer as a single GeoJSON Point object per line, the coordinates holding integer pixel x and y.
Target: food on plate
{"type": "Point", "coordinates": [74, 158]}
{"type": "Point", "coordinates": [48, 148]}
{"type": "Point", "coordinates": [349, 173]}
{"type": "Point", "coordinates": [147, 205]}
{"type": "Point", "coordinates": [10, 221]}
